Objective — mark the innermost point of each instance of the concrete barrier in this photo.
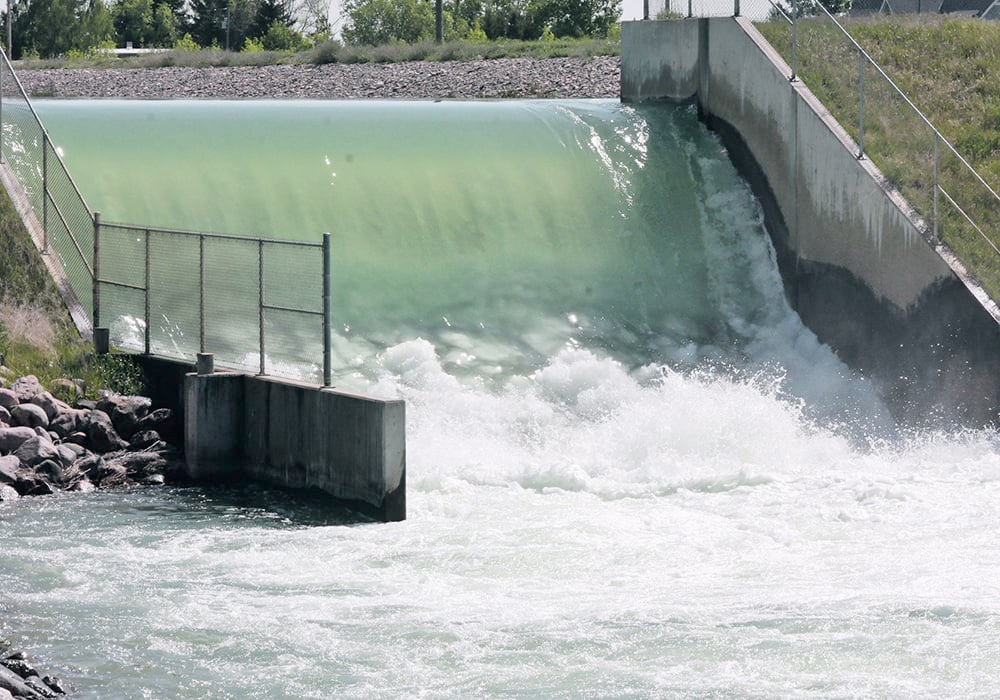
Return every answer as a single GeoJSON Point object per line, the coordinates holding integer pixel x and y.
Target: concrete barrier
{"type": "Point", "coordinates": [856, 262]}
{"type": "Point", "coordinates": [299, 436]}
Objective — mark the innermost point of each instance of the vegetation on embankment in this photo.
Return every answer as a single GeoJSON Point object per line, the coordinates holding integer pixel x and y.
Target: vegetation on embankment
{"type": "Point", "coordinates": [37, 335]}
{"type": "Point", "coordinates": [949, 69]}
{"type": "Point", "coordinates": [335, 52]}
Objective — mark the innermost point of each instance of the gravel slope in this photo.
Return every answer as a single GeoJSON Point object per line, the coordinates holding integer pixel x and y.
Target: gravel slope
{"type": "Point", "coordinates": [505, 77]}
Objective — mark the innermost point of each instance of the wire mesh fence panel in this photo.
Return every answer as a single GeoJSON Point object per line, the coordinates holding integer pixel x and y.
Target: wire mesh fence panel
{"type": "Point", "coordinates": [62, 224]}
{"type": "Point", "coordinates": [765, 10]}
{"type": "Point", "coordinates": [123, 307]}
{"type": "Point", "coordinates": [70, 208]}
{"type": "Point", "coordinates": [69, 226]}
{"type": "Point", "coordinates": [232, 301]}
{"type": "Point", "coordinates": [22, 149]}
{"type": "Point", "coordinates": [293, 280]}
{"type": "Point", "coordinates": [293, 275]}
{"type": "Point", "coordinates": [173, 294]}
{"type": "Point", "coordinates": [662, 9]}
{"type": "Point", "coordinates": [60, 243]}
{"type": "Point", "coordinates": [123, 254]}
{"type": "Point", "coordinates": [710, 8]}
{"type": "Point", "coordinates": [294, 344]}
{"type": "Point", "coordinates": [122, 265]}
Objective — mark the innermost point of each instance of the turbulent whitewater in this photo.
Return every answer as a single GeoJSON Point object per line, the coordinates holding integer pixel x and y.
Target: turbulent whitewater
{"type": "Point", "coordinates": [632, 472]}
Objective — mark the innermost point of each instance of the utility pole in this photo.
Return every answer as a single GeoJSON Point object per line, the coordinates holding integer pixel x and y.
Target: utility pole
{"type": "Point", "coordinates": [439, 21]}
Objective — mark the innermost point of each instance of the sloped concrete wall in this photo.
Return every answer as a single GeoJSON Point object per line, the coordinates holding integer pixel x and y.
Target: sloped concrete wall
{"type": "Point", "coordinates": [856, 263]}
{"type": "Point", "coordinates": [298, 436]}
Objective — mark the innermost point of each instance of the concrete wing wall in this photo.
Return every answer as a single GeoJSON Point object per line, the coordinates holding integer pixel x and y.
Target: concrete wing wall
{"type": "Point", "coordinates": [662, 60]}
{"type": "Point", "coordinates": [298, 436]}
{"type": "Point", "coordinates": [856, 264]}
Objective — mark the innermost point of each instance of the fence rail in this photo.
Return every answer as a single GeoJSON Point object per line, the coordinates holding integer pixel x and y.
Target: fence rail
{"type": "Point", "coordinates": [958, 207]}
{"type": "Point", "coordinates": [141, 281]}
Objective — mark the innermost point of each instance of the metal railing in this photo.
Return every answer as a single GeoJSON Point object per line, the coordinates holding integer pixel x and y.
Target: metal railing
{"type": "Point", "coordinates": [954, 202]}
{"type": "Point", "coordinates": [140, 281]}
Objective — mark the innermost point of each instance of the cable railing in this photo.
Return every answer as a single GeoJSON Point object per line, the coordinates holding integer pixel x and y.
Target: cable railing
{"type": "Point", "coordinates": [255, 303]}
{"type": "Point", "coordinates": [955, 204]}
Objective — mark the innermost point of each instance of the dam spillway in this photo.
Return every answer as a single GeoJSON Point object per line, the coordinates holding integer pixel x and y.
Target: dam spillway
{"type": "Point", "coordinates": [612, 492]}
{"type": "Point", "coordinates": [499, 232]}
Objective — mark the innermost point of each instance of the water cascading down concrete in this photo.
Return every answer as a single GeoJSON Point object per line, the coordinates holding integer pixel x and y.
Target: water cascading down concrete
{"type": "Point", "coordinates": [856, 261]}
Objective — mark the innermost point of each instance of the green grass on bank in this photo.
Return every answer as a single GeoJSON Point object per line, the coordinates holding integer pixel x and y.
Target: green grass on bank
{"type": "Point", "coordinates": [335, 52]}
{"type": "Point", "coordinates": [37, 335]}
{"type": "Point", "coordinates": [950, 69]}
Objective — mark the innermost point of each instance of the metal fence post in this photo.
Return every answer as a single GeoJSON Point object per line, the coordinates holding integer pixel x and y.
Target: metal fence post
{"type": "Point", "coordinates": [736, 8]}
{"type": "Point", "coordinates": [795, 39]}
{"type": "Point", "coordinates": [937, 183]}
{"type": "Point", "coordinates": [260, 301]}
{"type": "Point", "coordinates": [327, 368]}
{"type": "Point", "coordinates": [645, 9]}
{"type": "Point", "coordinates": [3, 69]}
{"type": "Point", "coordinates": [45, 192]}
{"type": "Point", "coordinates": [201, 293]}
{"type": "Point", "coordinates": [97, 270]}
{"type": "Point", "coordinates": [690, 8]}
{"type": "Point", "coordinates": [861, 104]}
{"type": "Point", "coordinates": [146, 309]}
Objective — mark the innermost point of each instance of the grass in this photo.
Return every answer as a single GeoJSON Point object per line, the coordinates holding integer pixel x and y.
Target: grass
{"type": "Point", "coordinates": [37, 335]}
{"type": "Point", "coordinates": [948, 68]}
{"type": "Point", "coordinates": [335, 52]}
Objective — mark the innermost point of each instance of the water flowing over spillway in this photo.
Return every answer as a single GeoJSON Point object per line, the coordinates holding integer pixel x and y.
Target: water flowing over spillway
{"type": "Point", "coordinates": [631, 471]}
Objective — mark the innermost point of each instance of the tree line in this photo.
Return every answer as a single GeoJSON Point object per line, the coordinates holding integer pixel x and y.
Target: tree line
{"type": "Point", "coordinates": [49, 28]}
{"type": "Point", "coordinates": [385, 21]}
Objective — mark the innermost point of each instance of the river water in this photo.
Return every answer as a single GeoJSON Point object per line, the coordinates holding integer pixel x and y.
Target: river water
{"type": "Point", "coordinates": [632, 473]}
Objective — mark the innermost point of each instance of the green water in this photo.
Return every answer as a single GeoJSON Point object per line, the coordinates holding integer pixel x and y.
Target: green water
{"type": "Point", "coordinates": [498, 230]}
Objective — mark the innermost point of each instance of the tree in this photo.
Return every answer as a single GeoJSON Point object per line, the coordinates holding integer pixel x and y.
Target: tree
{"type": "Point", "coordinates": [163, 32]}
{"type": "Point", "coordinates": [48, 27]}
{"type": "Point", "coordinates": [510, 19]}
{"type": "Point", "coordinates": [376, 22]}
{"type": "Point", "coordinates": [133, 19]}
{"type": "Point", "coordinates": [280, 37]}
{"type": "Point", "coordinates": [269, 12]}
{"type": "Point", "coordinates": [579, 18]}
{"type": "Point", "coordinates": [208, 22]}
{"type": "Point", "coordinates": [215, 21]}
{"type": "Point", "coordinates": [316, 18]}
{"type": "Point", "coordinates": [97, 25]}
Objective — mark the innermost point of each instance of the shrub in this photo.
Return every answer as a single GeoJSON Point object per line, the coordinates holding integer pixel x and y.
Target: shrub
{"type": "Point", "coordinates": [186, 43]}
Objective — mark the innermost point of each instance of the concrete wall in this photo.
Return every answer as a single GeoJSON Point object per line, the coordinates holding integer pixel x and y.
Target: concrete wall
{"type": "Point", "coordinates": [856, 263]}
{"type": "Point", "coordinates": [298, 436]}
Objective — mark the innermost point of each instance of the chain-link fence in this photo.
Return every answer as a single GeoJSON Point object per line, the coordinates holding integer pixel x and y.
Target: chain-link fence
{"type": "Point", "coordinates": [257, 304]}
{"type": "Point", "coordinates": [65, 227]}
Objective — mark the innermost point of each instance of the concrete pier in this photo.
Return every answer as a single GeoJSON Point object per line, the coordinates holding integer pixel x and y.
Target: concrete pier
{"type": "Point", "coordinates": [300, 436]}
{"type": "Point", "coordinates": [856, 261]}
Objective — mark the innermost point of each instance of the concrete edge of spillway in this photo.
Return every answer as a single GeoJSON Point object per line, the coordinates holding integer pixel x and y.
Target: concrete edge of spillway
{"type": "Point", "coordinates": [857, 264]}
{"type": "Point", "coordinates": [298, 436]}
